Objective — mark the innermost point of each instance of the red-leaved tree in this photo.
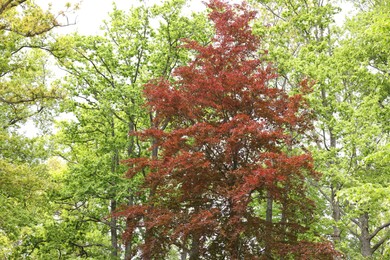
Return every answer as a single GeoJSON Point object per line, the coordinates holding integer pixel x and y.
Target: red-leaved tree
{"type": "Point", "coordinates": [228, 181]}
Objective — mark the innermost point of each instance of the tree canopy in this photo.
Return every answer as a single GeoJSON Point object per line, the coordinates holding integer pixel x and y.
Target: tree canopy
{"type": "Point", "coordinates": [249, 130]}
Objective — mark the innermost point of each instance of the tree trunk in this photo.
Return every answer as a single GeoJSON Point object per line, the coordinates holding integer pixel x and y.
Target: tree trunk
{"type": "Point", "coordinates": [336, 210]}
{"type": "Point", "coordinates": [268, 214]}
{"type": "Point", "coordinates": [130, 153]}
{"type": "Point", "coordinates": [268, 218]}
{"type": "Point", "coordinates": [128, 243]}
{"type": "Point", "coordinates": [113, 222]}
{"type": "Point", "coordinates": [336, 215]}
{"type": "Point", "coordinates": [194, 251]}
{"type": "Point", "coordinates": [365, 236]}
{"type": "Point", "coordinates": [113, 230]}
{"type": "Point", "coordinates": [183, 254]}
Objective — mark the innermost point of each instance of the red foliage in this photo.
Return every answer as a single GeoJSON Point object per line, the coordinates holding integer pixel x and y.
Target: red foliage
{"type": "Point", "coordinates": [229, 147]}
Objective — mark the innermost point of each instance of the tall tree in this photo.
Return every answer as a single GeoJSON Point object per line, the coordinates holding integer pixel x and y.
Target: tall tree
{"type": "Point", "coordinates": [25, 94]}
{"type": "Point", "coordinates": [351, 88]}
{"type": "Point", "coordinates": [365, 132]}
{"type": "Point", "coordinates": [105, 76]}
{"type": "Point", "coordinates": [230, 152]}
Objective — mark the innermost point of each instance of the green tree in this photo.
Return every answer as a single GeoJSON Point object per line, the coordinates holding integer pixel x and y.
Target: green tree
{"type": "Point", "coordinates": [24, 92]}
{"type": "Point", "coordinates": [364, 69]}
{"type": "Point", "coordinates": [25, 95]}
{"type": "Point", "coordinates": [105, 77]}
{"type": "Point", "coordinates": [350, 101]}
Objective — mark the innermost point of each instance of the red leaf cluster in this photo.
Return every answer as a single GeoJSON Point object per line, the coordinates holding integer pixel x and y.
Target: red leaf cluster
{"type": "Point", "coordinates": [228, 149]}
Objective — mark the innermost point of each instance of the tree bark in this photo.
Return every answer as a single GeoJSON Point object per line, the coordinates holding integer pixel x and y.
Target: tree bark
{"type": "Point", "coordinates": [268, 218]}
{"type": "Point", "coordinates": [194, 252]}
{"type": "Point", "coordinates": [268, 214]}
{"type": "Point", "coordinates": [128, 243]}
{"type": "Point", "coordinates": [336, 215]}
{"type": "Point", "coordinates": [336, 210]}
{"type": "Point", "coordinates": [113, 230]}
{"type": "Point", "coordinates": [365, 236]}
{"type": "Point", "coordinates": [183, 254]}
{"type": "Point", "coordinates": [130, 153]}
{"type": "Point", "coordinates": [113, 203]}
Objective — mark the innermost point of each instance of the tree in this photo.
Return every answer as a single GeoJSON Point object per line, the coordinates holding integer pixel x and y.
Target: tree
{"type": "Point", "coordinates": [24, 95]}
{"type": "Point", "coordinates": [228, 154]}
{"type": "Point", "coordinates": [365, 74]}
{"type": "Point", "coordinates": [21, 90]}
{"type": "Point", "coordinates": [104, 81]}
{"type": "Point", "coordinates": [301, 38]}
{"type": "Point", "coordinates": [349, 92]}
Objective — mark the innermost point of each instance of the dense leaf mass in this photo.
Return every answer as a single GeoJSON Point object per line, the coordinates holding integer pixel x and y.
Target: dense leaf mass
{"type": "Point", "coordinates": [228, 151]}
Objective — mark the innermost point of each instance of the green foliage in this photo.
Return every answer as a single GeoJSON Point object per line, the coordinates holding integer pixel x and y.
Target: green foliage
{"type": "Point", "coordinates": [53, 208]}
{"type": "Point", "coordinates": [25, 95]}
{"type": "Point", "coordinates": [350, 102]}
{"type": "Point", "coordinates": [104, 87]}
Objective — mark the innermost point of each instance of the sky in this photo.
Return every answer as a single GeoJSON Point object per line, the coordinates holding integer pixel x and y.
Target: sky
{"type": "Point", "coordinates": [91, 13]}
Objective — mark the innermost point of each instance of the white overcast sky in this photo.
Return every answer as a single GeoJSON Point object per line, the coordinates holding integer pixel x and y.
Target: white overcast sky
{"type": "Point", "coordinates": [91, 14]}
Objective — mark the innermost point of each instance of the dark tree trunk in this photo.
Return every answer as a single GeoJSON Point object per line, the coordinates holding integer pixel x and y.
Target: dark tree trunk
{"type": "Point", "coordinates": [113, 230]}
{"type": "Point", "coordinates": [128, 244]}
{"type": "Point", "coordinates": [194, 251]}
{"type": "Point", "coordinates": [268, 218]}
{"type": "Point", "coordinates": [130, 153]}
{"type": "Point", "coordinates": [113, 202]}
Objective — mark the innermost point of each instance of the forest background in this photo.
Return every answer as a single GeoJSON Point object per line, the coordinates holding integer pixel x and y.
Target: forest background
{"type": "Point", "coordinates": [59, 188]}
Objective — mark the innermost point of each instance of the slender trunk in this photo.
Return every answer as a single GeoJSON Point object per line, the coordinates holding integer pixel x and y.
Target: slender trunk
{"type": "Point", "coordinates": [148, 232]}
{"type": "Point", "coordinates": [154, 149]}
{"type": "Point", "coordinates": [128, 243]}
{"type": "Point", "coordinates": [194, 251]}
{"type": "Point", "coordinates": [336, 215]}
{"type": "Point", "coordinates": [336, 210]}
{"type": "Point", "coordinates": [113, 230]}
{"type": "Point", "coordinates": [365, 236]}
{"type": "Point", "coordinates": [183, 254]}
{"type": "Point", "coordinates": [268, 213]}
{"type": "Point", "coordinates": [113, 203]}
{"type": "Point", "coordinates": [268, 218]}
{"type": "Point", "coordinates": [130, 153]}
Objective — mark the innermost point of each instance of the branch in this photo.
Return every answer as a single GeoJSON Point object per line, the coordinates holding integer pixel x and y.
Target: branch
{"type": "Point", "coordinates": [28, 100]}
{"type": "Point", "coordinates": [380, 242]}
{"type": "Point", "coordinates": [18, 119]}
{"type": "Point", "coordinates": [354, 233]}
{"type": "Point", "coordinates": [89, 245]}
{"type": "Point", "coordinates": [31, 47]}
{"type": "Point", "coordinates": [379, 229]}
{"type": "Point", "coordinates": [9, 102]}
{"type": "Point", "coordinates": [321, 191]}
{"type": "Point", "coordinates": [9, 4]}
{"type": "Point", "coordinates": [273, 12]}
{"type": "Point", "coordinates": [95, 67]}
{"type": "Point", "coordinates": [356, 222]}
